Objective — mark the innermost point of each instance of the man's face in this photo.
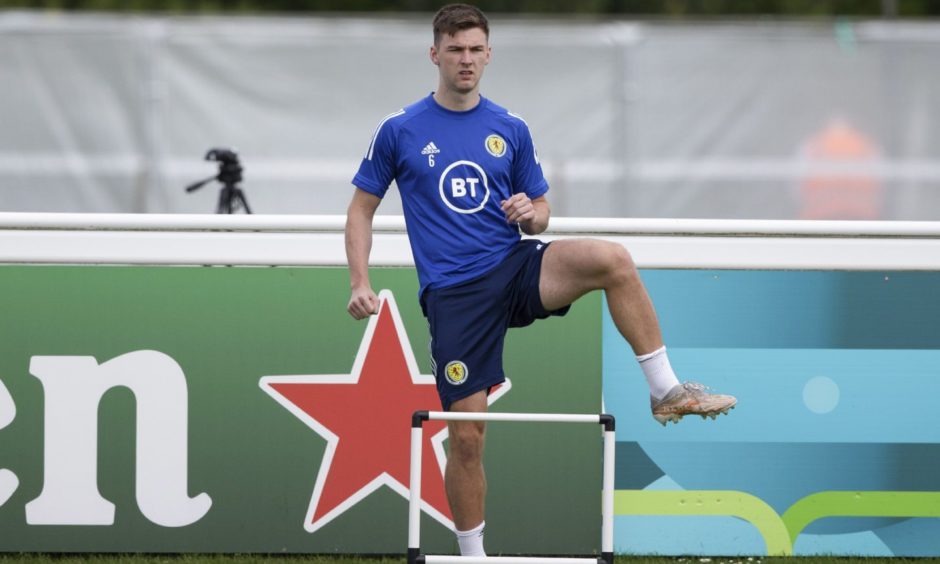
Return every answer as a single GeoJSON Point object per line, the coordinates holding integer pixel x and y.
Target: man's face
{"type": "Point", "coordinates": [460, 59]}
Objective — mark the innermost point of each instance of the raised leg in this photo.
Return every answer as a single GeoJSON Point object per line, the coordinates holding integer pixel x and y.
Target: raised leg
{"type": "Point", "coordinates": [574, 267]}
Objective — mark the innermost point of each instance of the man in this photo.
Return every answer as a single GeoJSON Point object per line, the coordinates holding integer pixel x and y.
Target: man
{"type": "Point", "coordinates": [470, 180]}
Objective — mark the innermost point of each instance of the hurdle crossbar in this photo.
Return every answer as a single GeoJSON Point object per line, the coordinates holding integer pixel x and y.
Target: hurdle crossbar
{"type": "Point", "coordinates": [607, 486]}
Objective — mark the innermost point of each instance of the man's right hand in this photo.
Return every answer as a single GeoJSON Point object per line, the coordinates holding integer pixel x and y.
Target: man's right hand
{"type": "Point", "coordinates": [363, 303]}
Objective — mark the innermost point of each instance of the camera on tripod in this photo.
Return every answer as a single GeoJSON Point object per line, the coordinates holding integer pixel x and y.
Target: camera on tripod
{"type": "Point", "coordinates": [231, 197]}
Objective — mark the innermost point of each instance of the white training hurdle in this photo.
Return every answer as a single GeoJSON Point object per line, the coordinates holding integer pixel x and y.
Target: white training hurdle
{"type": "Point", "coordinates": [607, 487]}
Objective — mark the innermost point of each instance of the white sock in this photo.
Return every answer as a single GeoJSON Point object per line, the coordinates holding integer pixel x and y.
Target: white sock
{"type": "Point", "coordinates": [658, 372]}
{"type": "Point", "coordinates": [471, 542]}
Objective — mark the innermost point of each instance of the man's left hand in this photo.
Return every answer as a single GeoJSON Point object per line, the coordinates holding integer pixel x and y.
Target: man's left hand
{"type": "Point", "coordinates": [518, 208]}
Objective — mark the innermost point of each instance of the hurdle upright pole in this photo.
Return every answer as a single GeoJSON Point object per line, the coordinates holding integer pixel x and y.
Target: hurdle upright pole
{"type": "Point", "coordinates": [414, 499]}
{"type": "Point", "coordinates": [607, 489]}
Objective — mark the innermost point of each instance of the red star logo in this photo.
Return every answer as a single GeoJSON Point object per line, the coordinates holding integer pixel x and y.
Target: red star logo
{"type": "Point", "coordinates": [365, 417]}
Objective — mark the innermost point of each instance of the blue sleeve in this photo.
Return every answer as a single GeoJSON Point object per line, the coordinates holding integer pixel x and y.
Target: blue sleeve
{"type": "Point", "coordinates": [377, 169]}
{"type": "Point", "coordinates": [526, 170]}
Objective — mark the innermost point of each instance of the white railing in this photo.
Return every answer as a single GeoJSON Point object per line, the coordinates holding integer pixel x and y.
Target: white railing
{"type": "Point", "coordinates": [286, 240]}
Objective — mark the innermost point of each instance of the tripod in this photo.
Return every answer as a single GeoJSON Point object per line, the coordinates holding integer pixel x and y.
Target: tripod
{"type": "Point", "coordinates": [231, 197]}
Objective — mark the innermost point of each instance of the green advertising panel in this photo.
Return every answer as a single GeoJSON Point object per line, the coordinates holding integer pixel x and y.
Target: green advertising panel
{"type": "Point", "coordinates": [237, 409]}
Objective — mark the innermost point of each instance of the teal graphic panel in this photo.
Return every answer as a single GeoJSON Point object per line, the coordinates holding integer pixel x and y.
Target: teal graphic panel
{"type": "Point", "coordinates": [832, 445]}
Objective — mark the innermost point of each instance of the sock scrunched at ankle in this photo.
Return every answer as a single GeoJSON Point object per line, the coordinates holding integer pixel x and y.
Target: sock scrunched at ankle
{"type": "Point", "coordinates": [471, 542]}
{"type": "Point", "coordinates": [658, 372]}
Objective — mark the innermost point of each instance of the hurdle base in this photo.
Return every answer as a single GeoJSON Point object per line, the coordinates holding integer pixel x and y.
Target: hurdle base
{"type": "Point", "coordinates": [607, 558]}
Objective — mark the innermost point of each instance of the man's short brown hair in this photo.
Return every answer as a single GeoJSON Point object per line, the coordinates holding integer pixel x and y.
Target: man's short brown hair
{"type": "Point", "coordinates": [457, 17]}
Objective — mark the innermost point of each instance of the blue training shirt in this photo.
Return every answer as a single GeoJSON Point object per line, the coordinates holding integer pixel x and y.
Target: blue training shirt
{"type": "Point", "coordinates": [453, 170]}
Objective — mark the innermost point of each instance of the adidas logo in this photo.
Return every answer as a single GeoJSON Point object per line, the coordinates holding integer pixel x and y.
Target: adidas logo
{"type": "Point", "coordinates": [430, 149]}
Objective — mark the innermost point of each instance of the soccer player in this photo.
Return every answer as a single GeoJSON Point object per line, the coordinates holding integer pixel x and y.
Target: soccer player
{"type": "Point", "coordinates": [470, 181]}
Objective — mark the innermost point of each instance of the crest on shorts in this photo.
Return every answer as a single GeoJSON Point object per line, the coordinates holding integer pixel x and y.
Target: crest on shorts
{"type": "Point", "coordinates": [456, 372]}
{"type": "Point", "coordinates": [495, 145]}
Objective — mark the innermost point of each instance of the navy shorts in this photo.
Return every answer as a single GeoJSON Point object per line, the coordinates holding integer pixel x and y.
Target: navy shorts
{"type": "Point", "coordinates": [468, 321]}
